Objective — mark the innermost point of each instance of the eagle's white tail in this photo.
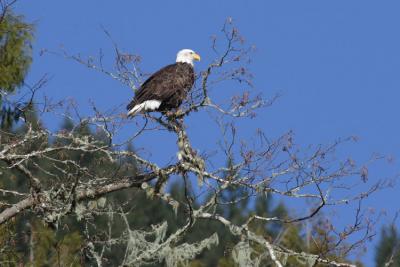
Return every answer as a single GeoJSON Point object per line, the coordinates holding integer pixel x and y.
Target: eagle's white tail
{"type": "Point", "coordinates": [148, 105]}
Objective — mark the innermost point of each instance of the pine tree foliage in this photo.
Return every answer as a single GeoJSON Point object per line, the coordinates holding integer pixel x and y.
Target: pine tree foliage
{"type": "Point", "coordinates": [15, 59]}
{"type": "Point", "coordinates": [388, 249]}
{"type": "Point", "coordinates": [15, 51]}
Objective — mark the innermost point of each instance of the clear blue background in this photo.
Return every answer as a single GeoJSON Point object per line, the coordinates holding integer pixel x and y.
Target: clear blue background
{"type": "Point", "coordinates": [337, 62]}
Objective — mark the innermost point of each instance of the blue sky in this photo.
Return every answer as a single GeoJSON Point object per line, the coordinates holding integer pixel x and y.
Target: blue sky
{"type": "Point", "coordinates": [336, 62]}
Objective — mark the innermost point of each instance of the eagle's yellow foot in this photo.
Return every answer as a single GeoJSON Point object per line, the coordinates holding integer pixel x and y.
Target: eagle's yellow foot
{"type": "Point", "coordinates": [179, 113]}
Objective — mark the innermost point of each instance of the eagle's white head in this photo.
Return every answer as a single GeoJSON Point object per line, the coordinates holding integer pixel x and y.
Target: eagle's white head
{"type": "Point", "coordinates": [187, 56]}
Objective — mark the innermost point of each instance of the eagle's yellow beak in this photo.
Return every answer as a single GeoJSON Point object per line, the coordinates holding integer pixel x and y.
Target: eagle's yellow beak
{"type": "Point", "coordinates": [196, 57]}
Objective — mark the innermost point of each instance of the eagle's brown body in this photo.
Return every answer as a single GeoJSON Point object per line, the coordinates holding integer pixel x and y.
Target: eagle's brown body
{"type": "Point", "coordinates": [169, 85]}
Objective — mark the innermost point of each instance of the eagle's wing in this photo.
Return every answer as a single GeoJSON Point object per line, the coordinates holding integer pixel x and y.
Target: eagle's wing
{"type": "Point", "coordinates": [158, 86]}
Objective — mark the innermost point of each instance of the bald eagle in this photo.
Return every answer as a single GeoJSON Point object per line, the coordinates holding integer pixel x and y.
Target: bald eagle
{"type": "Point", "coordinates": [167, 88]}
